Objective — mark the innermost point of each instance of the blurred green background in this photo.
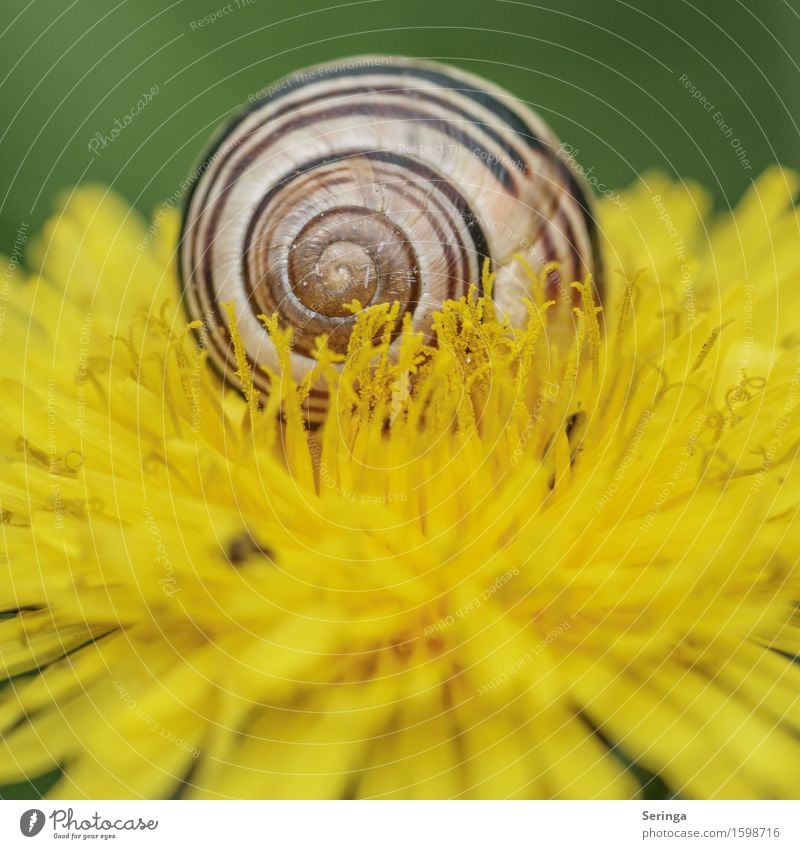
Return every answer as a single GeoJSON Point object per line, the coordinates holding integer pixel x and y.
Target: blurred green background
{"type": "Point", "coordinates": [606, 74]}
{"type": "Point", "coordinates": [707, 90]}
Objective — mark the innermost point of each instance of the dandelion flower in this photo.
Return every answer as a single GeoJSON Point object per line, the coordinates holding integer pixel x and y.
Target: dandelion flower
{"type": "Point", "coordinates": [496, 570]}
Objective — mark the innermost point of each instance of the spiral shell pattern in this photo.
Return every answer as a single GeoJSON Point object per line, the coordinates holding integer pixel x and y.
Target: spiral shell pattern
{"type": "Point", "coordinates": [376, 179]}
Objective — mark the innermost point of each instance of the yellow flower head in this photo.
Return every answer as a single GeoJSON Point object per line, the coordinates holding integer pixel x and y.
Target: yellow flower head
{"type": "Point", "coordinates": [497, 569]}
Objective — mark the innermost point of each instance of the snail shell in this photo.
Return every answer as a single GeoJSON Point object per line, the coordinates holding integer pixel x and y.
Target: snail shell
{"type": "Point", "coordinates": [379, 179]}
